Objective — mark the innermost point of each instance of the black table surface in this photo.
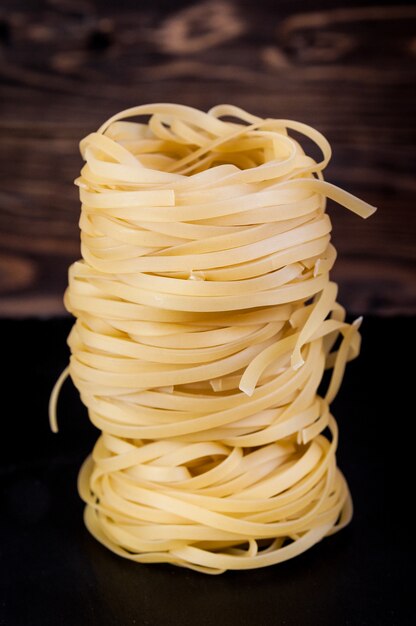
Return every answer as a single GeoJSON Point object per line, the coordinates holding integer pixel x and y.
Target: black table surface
{"type": "Point", "coordinates": [53, 572]}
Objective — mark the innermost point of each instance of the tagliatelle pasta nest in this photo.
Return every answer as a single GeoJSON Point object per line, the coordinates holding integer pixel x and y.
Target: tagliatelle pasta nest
{"type": "Point", "coordinates": [205, 319]}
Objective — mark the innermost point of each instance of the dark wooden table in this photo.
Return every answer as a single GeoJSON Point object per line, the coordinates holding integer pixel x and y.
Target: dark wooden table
{"type": "Point", "coordinates": [346, 68]}
{"type": "Point", "coordinates": [53, 573]}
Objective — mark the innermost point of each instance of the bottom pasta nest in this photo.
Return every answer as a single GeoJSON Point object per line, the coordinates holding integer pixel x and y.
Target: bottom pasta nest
{"type": "Point", "coordinates": [205, 320]}
{"type": "Point", "coordinates": [194, 524]}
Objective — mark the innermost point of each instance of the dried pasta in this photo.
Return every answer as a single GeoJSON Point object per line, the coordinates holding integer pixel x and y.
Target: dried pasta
{"type": "Point", "coordinates": [205, 319]}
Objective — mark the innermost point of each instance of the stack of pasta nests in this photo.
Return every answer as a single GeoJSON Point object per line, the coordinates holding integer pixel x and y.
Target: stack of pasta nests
{"type": "Point", "coordinates": [205, 319]}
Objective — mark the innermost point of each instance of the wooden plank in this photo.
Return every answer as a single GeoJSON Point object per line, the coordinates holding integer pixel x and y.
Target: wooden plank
{"type": "Point", "coordinates": [347, 70]}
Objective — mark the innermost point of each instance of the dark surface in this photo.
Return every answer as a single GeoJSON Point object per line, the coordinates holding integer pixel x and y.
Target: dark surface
{"type": "Point", "coordinates": [345, 67]}
{"type": "Point", "coordinates": [55, 573]}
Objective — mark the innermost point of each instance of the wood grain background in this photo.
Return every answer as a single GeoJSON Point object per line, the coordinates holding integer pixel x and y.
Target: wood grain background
{"type": "Point", "coordinates": [346, 68]}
